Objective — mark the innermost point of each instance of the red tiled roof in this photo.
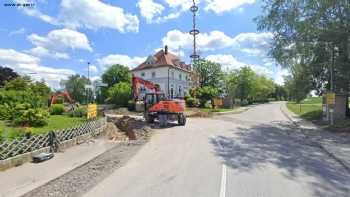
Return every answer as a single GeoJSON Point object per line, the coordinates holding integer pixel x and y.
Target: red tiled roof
{"type": "Point", "coordinates": [163, 59]}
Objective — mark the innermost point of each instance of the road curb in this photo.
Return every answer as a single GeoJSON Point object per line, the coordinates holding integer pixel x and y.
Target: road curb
{"type": "Point", "coordinates": [320, 145]}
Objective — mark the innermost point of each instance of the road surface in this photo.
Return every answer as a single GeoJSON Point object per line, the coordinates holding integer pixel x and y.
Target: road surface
{"type": "Point", "coordinates": [252, 154]}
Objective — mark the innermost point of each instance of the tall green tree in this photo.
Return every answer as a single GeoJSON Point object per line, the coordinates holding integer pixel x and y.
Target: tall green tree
{"type": "Point", "coordinates": [210, 73]}
{"type": "Point", "coordinates": [115, 74]}
{"type": "Point", "coordinates": [6, 74]}
{"type": "Point", "coordinates": [314, 35]}
{"type": "Point", "coordinates": [75, 85]}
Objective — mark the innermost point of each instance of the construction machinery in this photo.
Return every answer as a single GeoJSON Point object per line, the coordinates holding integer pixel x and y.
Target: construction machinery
{"type": "Point", "coordinates": [157, 105]}
{"type": "Point", "coordinates": [65, 94]}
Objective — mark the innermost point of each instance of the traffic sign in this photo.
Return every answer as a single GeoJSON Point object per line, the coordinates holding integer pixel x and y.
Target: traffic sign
{"type": "Point", "coordinates": [330, 98]}
{"type": "Point", "coordinates": [92, 111]}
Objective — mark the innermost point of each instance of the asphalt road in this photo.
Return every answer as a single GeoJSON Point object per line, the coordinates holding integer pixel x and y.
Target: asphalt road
{"type": "Point", "coordinates": [253, 154]}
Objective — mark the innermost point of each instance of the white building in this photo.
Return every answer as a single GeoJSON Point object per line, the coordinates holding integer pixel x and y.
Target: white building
{"type": "Point", "coordinates": [167, 70]}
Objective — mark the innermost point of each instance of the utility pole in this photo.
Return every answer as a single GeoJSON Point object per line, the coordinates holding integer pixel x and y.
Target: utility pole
{"type": "Point", "coordinates": [88, 92]}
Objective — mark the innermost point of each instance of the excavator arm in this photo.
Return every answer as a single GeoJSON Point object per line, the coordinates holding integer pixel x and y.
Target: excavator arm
{"type": "Point", "coordinates": [136, 85]}
{"type": "Point", "coordinates": [64, 94]}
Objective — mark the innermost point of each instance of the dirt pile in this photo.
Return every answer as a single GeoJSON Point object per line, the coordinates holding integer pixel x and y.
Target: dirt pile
{"type": "Point", "coordinates": [113, 133]}
{"type": "Point", "coordinates": [132, 127]}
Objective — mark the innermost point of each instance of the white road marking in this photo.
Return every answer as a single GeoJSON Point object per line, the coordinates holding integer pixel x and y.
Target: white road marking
{"type": "Point", "coordinates": [223, 181]}
{"type": "Point", "coordinates": [223, 175]}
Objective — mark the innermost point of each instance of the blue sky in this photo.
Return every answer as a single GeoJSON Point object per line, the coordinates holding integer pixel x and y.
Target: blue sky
{"type": "Point", "coordinates": [53, 39]}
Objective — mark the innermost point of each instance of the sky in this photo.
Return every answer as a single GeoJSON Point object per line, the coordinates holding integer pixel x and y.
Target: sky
{"type": "Point", "coordinates": [52, 39]}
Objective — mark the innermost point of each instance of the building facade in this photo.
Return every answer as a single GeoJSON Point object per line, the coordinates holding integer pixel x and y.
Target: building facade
{"type": "Point", "coordinates": [171, 74]}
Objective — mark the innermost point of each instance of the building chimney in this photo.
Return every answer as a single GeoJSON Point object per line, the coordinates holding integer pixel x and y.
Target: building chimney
{"type": "Point", "coordinates": [166, 49]}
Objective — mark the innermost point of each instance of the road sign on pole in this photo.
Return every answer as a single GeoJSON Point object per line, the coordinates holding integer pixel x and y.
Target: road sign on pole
{"type": "Point", "coordinates": [92, 111]}
{"type": "Point", "coordinates": [331, 98]}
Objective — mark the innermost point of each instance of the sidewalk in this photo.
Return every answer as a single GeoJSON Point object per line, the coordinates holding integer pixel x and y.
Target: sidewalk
{"type": "Point", "coordinates": [337, 145]}
{"type": "Point", "coordinates": [22, 179]}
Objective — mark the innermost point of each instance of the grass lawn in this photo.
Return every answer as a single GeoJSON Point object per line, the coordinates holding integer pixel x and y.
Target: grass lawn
{"type": "Point", "coordinates": [55, 122]}
{"type": "Point", "coordinates": [306, 111]}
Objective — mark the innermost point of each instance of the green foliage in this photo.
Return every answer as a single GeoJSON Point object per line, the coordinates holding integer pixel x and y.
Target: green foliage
{"type": "Point", "coordinates": [18, 84]}
{"type": "Point", "coordinates": [248, 86]}
{"type": "Point", "coordinates": [6, 74]}
{"type": "Point", "coordinates": [79, 112]}
{"type": "Point", "coordinates": [26, 116]}
{"type": "Point", "coordinates": [115, 74]}
{"type": "Point", "coordinates": [210, 73]}
{"type": "Point", "coordinates": [206, 94]}
{"type": "Point", "coordinates": [120, 94]}
{"type": "Point", "coordinates": [313, 35]}
{"type": "Point", "coordinates": [57, 109]}
{"type": "Point", "coordinates": [192, 102]}
{"type": "Point", "coordinates": [306, 111]}
{"type": "Point", "coordinates": [75, 85]}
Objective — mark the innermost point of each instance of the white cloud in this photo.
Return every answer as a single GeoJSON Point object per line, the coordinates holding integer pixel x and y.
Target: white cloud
{"type": "Point", "coordinates": [17, 32]}
{"type": "Point", "coordinates": [183, 5]}
{"type": "Point", "coordinates": [279, 76]}
{"type": "Point", "coordinates": [94, 14]}
{"type": "Point", "coordinates": [93, 69]}
{"type": "Point", "coordinates": [34, 12]}
{"type": "Point", "coordinates": [254, 43]}
{"type": "Point", "coordinates": [221, 6]}
{"type": "Point", "coordinates": [125, 60]}
{"type": "Point", "coordinates": [43, 52]}
{"type": "Point", "coordinates": [229, 62]}
{"type": "Point", "coordinates": [25, 64]}
{"type": "Point", "coordinates": [149, 9]}
{"type": "Point", "coordinates": [251, 43]}
{"type": "Point", "coordinates": [91, 14]}
{"type": "Point", "coordinates": [61, 39]}
{"type": "Point", "coordinates": [176, 40]}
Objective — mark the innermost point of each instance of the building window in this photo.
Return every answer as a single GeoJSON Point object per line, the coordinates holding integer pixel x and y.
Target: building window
{"type": "Point", "coordinates": [172, 74]}
{"type": "Point", "coordinates": [180, 76]}
{"type": "Point", "coordinates": [153, 74]}
{"type": "Point", "coordinates": [143, 74]}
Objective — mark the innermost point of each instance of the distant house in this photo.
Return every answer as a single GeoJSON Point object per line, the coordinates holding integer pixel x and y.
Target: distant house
{"type": "Point", "coordinates": [168, 71]}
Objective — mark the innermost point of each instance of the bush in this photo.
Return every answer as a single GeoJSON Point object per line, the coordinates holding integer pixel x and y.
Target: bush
{"type": "Point", "coordinates": [192, 102]}
{"type": "Point", "coordinates": [206, 93]}
{"type": "Point", "coordinates": [79, 112]}
{"type": "Point", "coordinates": [120, 94]}
{"type": "Point", "coordinates": [25, 116]}
{"type": "Point", "coordinates": [244, 102]}
{"type": "Point", "coordinates": [57, 109]}
{"type": "Point", "coordinates": [131, 105]}
{"type": "Point", "coordinates": [6, 112]}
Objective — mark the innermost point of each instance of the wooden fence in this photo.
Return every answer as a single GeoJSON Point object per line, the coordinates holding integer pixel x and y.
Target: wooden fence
{"type": "Point", "coordinates": [12, 148]}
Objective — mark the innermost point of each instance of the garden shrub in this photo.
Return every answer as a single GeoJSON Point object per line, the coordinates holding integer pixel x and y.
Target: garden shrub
{"type": "Point", "coordinates": [192, 102]}
{"type": "Point", "coordinates": [79, 112]}
{"type": "Point", "coordinates": [26, 116]}
{"type": "Point", "coordinates": [120, 94]}
{"type": "Point", "coordinates": [57, 109]}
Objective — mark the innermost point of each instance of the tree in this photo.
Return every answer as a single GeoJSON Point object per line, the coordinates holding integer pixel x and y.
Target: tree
{"type": "Point", "coordinates": [120, 94]}
{"type": "Point", "coordinates": [19, 83]}
{"type": "Point", "coordinates": [115, 74]}
{"type": "Point", "coordinates": [75, 85]}
{"type": "Point", "coordinates": [40, 88]}
{"type": "Point", "coordinates": [206, 93]}
{"type": "Point", "coordinates": [313, 35]}
{"type": "Point", "coordinates": [6, 74]}
{"type": "Point", "coordinates": [210, 73]}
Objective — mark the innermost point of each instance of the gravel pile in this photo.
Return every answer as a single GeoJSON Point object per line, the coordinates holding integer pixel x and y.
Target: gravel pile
{"type": "Point", "coordinates": [82, 179]}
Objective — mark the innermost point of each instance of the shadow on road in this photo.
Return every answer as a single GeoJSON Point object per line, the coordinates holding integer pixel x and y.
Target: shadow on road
{"type": "Point", "coordinates": [260, 145]}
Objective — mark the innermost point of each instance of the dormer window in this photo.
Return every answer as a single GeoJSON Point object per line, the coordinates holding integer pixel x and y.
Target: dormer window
{"type": "Point", "coordinates": [150, 60]}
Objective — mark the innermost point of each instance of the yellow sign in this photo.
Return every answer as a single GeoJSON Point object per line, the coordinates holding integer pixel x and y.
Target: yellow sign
{"type": "Point", "coordinates": [218, 102]}
{"type": "Point", "coordinates": [330, 98]}
{"type": "Point", "coordinates": [92, 111]}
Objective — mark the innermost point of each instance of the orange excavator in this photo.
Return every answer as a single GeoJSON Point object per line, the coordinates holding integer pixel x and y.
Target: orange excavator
{"type": "Point", "coordinates": [65, 94]}
{"type": "Point", "coordinates": [157, 106]}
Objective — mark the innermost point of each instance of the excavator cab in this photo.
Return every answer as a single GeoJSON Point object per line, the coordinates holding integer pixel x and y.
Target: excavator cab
{"type": "Point", "coordinates": [152, 99]}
